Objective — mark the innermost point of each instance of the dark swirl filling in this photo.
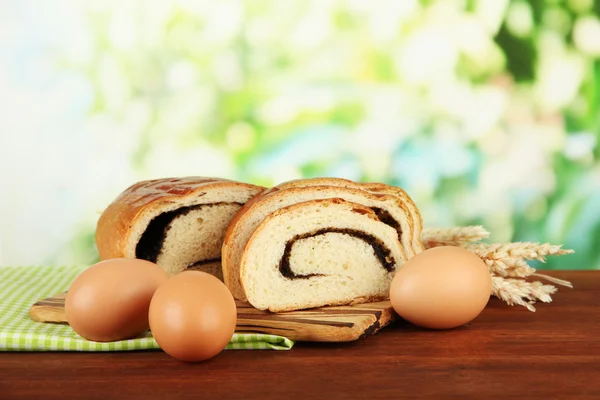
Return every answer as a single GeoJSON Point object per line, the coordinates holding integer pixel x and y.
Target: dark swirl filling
{"type": "Point", "coordinates": [383, 254]}
{"type": "Point", "coordinates": [153, 238]}
{"type": "Point", "coordinates": [387, 219]}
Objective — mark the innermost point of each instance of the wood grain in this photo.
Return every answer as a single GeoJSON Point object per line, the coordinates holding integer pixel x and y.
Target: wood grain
{"type": "Point", "coordinates": [506, 353]}
{"type": "Point", "coordinates": [324, 324]}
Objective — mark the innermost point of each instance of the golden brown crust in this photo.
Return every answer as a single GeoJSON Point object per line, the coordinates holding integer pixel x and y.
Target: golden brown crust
{"type": "Point", "coordinates": [119, 219]}
{"type": "Point", "coordinates": [399, 192]}
{"type": "Point", "coordinates": [340, 182]}
{"type": "Point", "coordinates": [226, 250]}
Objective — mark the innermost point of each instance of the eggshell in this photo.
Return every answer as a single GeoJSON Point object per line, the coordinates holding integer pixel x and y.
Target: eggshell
{"type": "Point", "coordinates": [193, 316]}
{"type": "Point", "coordinates": [110, 300]}
{"type": "Point", "coordinates": [441, 288]}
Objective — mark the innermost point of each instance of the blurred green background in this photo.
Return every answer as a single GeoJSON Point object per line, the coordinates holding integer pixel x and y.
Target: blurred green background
{"type": "Point", "coordinates": [485, 111]}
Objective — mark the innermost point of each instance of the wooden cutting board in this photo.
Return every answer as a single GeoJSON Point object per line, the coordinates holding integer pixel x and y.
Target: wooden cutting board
{"type": "Point", "coordinates": [325, 324]}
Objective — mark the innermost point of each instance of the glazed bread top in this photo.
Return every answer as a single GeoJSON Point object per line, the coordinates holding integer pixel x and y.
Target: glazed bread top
{"type": "Point", "coordinates": [122, 224]}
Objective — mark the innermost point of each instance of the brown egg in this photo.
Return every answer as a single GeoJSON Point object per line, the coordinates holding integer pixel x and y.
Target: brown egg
{"type": "Point", "coordinates": [441, 288]}
{"type": "Point", "coordinates": [193, 316]}
{"type": "Point", "coordinates": [110, 300]}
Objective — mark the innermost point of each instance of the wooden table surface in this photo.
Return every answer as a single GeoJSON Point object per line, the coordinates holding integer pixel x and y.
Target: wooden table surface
{"type": "Point", "coordinates": [507, 352]}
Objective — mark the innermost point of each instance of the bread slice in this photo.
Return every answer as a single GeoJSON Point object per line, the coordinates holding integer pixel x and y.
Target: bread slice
{"type": "Point", "coordinates": [318, 253]}
{"type": "Point", "coordinates": [178, 223]}
{"type": "Point", "coordinates": [396, 211]}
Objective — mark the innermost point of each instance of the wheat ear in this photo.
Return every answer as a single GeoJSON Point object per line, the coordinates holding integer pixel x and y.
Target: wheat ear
{"type": "Point", "coordinates": [518, 250]}
{"type": "Point", "coordinates": [509, 259]}
{"type": "Point", "coordinates": [521, 292]}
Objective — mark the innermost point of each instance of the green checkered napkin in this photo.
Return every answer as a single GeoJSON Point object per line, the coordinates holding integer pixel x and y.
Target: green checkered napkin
{"type": "Point", "coordinates": [20, 287]}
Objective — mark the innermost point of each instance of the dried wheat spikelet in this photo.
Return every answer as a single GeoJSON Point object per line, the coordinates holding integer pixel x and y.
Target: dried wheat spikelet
{"type": "Point", "coordinates": [521, 292]}
{"type": "Point", "coordinates": [434, 237]}
{"type": "Point", "coordinates": [517, 250]}
{"type": "Point", "coordinates": [514, 267]}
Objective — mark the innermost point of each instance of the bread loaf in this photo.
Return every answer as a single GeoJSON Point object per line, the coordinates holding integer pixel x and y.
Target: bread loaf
{"type": "Point", "coordinates": [392, 206]}
{"type": "Point", "coordinates": [319, 252]}
{"type": "Point", "coordinates": [178, 223]}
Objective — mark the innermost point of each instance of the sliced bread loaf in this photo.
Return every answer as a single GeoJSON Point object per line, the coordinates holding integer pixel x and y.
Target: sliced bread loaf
{"type": "Point", "coordinates": [399, 212]}
{"type": "Point", "coordinates": [317, 253]}
{"type": "Point", "coordinates": [178, 223]}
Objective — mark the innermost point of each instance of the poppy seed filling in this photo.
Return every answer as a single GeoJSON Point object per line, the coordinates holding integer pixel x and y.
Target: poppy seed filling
{"type": "Point", "coordinates": [151, 243]}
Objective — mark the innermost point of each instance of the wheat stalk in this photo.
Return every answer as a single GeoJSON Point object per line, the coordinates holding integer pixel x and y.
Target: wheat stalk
{"type": "Point", "coordinates": [557, 281]}
{"type": "Point", "coordinates": [434, 237]}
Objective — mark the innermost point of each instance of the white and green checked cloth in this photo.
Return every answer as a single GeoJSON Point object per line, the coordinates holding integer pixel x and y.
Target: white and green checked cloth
{"type": "Point", "coordinates": [20, 287]}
